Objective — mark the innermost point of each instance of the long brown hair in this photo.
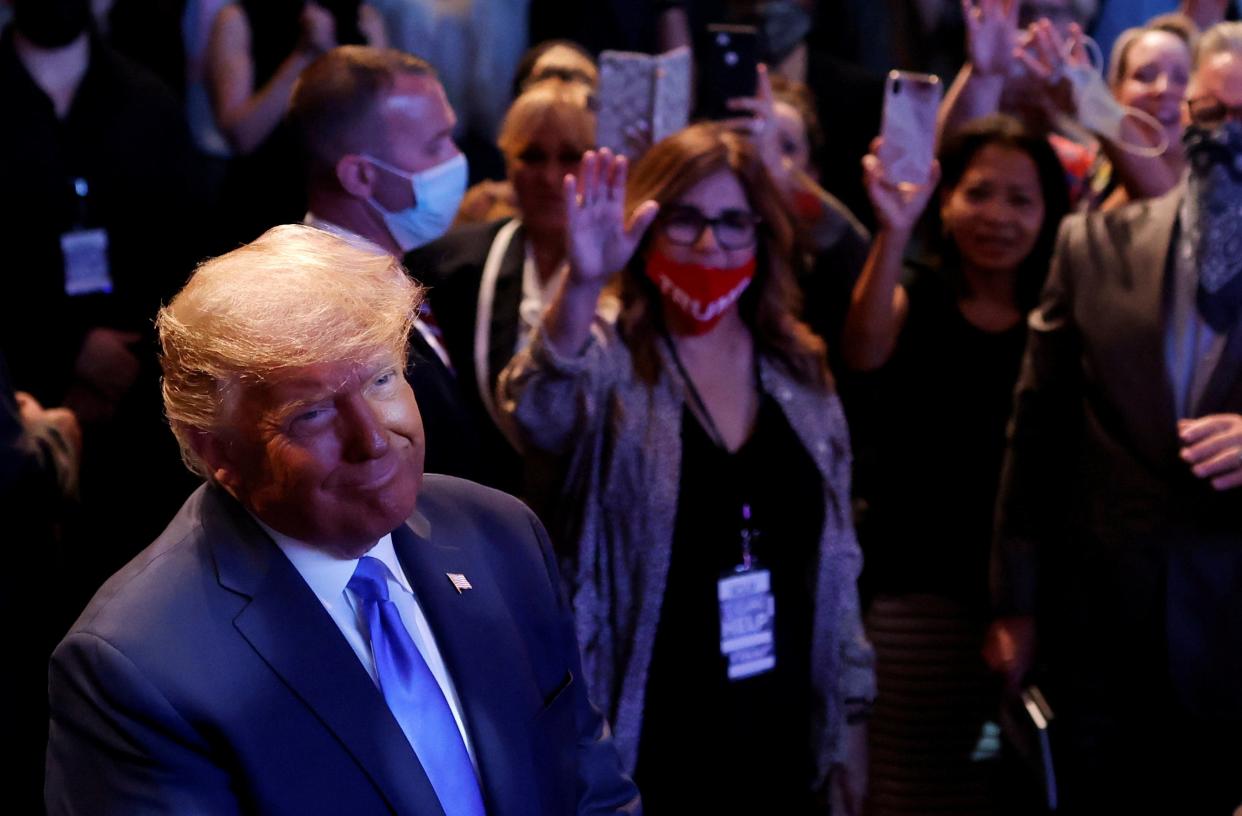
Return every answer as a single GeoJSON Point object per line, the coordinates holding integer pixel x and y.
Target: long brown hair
{"type": "Point", "coordinates": [771, 305]}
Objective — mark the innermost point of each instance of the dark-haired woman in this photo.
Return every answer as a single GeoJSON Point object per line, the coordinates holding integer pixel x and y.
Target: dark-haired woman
{"type": "Point", "coordinates": [938, 348]}
{"type": "Point", "coordinates": [708, 486]}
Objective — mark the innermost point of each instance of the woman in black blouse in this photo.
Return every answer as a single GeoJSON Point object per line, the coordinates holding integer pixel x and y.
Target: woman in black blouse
{"type": "Point", "coordinates": [936, 351]}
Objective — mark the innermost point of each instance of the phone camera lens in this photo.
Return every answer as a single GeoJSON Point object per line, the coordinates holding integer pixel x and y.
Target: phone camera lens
{"type": "Point", "coordinates": [897, 86]}
{"type": "Point", "coordinates": [730, 58]}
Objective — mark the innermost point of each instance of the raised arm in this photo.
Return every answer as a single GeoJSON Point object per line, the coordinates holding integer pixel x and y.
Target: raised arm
{"type": "Point", "coordinates": [248, 115]}
{"type": "Point", "coordinates": [991, 36]}
{"type": "Point", "coordinates": [550, 393]}
{"type": "Point", "coordinates": [601, 242]}
{"type": "Point", "coordinates": [879, 306]}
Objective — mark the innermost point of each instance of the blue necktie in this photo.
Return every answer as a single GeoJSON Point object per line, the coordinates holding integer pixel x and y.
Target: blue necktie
{"type": "Point", "coordinates": [414, 696]}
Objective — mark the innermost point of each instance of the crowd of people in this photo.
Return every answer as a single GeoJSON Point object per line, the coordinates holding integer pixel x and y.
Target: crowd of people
{"type": "Point", "coordinates": [760, 479]}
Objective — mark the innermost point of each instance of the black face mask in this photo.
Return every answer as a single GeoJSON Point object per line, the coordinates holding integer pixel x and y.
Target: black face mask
{"type": "Point", "coordinates": [51, 23]}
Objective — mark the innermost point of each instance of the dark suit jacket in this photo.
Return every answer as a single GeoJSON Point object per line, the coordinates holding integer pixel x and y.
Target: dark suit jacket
{"type": "Point", "coordinates": [1133, 564]}
{"type": "Point", "coordinates": [452, 269]}
{"type": "Point", "coordinates": [206, 677]}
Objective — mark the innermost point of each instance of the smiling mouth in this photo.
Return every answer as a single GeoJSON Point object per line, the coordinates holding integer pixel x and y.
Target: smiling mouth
{"type": "Point", "coordinates": [377, 474]}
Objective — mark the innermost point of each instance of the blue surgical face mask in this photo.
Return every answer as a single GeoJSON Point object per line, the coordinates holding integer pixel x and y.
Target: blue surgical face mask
{"type": "Point", "coordinates": [437, 193]}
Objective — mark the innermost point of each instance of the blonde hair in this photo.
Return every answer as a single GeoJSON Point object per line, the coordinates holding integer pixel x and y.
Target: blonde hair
{"type": "Point", "coordinates": [296, 296]}
{"type": "Point", "coordinates": [566, 106]}
{"type": "Point", "coordinates": [1220, 38]}
{"type": "Point", "coordinates": [1180, 26]}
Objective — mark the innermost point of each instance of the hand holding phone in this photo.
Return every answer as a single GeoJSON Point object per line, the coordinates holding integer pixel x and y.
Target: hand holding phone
{"type": "Point", "coordinates": [731, 68]}
{"type": "Point", "coordinates": [908, 129]}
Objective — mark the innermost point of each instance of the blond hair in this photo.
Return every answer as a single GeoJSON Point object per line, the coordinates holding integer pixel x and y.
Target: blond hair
{"type": "Point", "coordinates": [1219, 39]}
{"type": "Point", "coordinates": [296, 296]}
{"type": "Point", "coordinates": [566, 106]}
{"type": "Point", "coordinates": [1178, 25]}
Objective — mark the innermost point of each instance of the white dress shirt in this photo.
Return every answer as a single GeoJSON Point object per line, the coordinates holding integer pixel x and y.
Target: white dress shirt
{"type": "Point", "coordinates": [328, 577]}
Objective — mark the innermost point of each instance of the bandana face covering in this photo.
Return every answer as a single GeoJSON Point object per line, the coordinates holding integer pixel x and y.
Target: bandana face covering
{"type": "Point", "coordinates": [699, 294]}
{"type": "Point", "coordinates": [1214, 207]}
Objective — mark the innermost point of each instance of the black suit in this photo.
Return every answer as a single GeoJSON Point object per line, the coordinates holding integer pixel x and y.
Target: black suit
{"type": "Point", "coordinates": [1132, 565]}
{"type": "Point", "coordinates": [452, 268]}
{"type": "Point", "coordinates": [207, 677]}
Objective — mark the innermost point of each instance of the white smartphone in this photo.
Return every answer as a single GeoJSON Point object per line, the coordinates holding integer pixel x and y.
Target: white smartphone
{"type": "Point", "coordinates": [908, 128]}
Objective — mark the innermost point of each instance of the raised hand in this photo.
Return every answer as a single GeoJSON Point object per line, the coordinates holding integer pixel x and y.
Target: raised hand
{"type": "Point", "coordinates": [600, 240]}
{"type": "Point", "coordinates": [991, 34]}
{"type": "Point", "coordinates": [897, 205]}
{"type": "Point", "coordinates": [318, 29]}
{"type": "Point", "coordinates": [371, 24]}
{"type": "Point", "coordinates": [761, 127]}
{"type": "Point", "coordinates": [1047, 55]}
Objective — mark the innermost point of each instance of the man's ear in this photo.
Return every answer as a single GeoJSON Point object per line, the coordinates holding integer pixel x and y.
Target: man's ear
{"type": "Point", "coordinates": [214, 452]}
{"type": "Point", "coordinates": [356, 175]}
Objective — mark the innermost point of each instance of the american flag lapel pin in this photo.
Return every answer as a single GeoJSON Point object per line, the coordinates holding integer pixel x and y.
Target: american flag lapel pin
{"type": "Point", "coordinates": [458, 581]}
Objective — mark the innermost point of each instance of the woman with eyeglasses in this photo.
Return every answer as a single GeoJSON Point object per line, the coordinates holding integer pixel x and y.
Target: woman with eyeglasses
{"type": "Point", "coordinates": [705, 515]}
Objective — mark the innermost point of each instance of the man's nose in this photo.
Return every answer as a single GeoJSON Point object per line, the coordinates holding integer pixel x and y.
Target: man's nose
{"type": "Point", "coordinates": [366, 436]}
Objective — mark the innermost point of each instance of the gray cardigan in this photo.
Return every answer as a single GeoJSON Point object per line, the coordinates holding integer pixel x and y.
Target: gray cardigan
{"type": "Point", "coordinates": [622, 440]}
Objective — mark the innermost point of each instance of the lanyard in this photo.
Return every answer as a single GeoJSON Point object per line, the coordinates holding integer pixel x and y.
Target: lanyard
{"type": "Point", "coordinates": [696, 398]}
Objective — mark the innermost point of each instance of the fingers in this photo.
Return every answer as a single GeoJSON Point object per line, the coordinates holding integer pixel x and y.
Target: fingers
{"type": "Point", "coordinates": [763, 86]}
{"type": "Point", "coordinates": [873, 171]}
{"type": "Point", "coordinates": [970, 16]}
{"type": "Point", "coordinates": [569, 189]}
{"type": "Point", "coordinates": [1191, 431]}
{"type": "Point", "coordinates": [640, 220]}
{"type": "Point", "coordinates": [1213, 448]}
{"type": "Point", "coordinates": [750, 104]}
{"type": "Point", "coordinates": [1226, 462]}
{"type": "Point", "coordinates": [1229, 481]}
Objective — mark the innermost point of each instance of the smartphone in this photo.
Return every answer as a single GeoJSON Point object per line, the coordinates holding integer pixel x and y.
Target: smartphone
{"type": "Point", "coordinates": [731, 69]}
{"type": "Point", "coordinates": [908, 127]}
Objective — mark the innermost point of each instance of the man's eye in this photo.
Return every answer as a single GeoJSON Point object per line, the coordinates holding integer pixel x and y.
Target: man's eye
{"type": "Point", "coordinates": [311, 418]}
{"type": "Point", "coordinates": [386, 378]}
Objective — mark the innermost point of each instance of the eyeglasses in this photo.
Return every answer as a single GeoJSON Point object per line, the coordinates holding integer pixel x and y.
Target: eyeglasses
{"type": "Point", "coordinates": [1208, 111]}
{"type": "Point", "coordinates": [734, 229]}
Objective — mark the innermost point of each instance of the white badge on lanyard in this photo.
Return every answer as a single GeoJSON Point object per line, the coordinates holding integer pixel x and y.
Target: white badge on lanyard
{"type": "Point", "coordinates": [86, 262]}
{"type": "Point", "coordinates": [747, 615]}
{"type": "Point", "coordinates": [86, 253]}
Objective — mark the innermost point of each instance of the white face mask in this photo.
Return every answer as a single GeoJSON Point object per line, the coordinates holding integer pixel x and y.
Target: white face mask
{"type": "Point", "coordinates": [437, 193]}
{"type": "Point", "coordinates": [1099, 112]}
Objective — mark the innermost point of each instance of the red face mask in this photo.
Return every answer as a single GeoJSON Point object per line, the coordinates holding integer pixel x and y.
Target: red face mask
{"type": "Point", "coordinates": [699, 295]}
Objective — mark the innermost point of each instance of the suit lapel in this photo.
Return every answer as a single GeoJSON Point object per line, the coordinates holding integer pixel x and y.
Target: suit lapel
{"type": "Point", "coordinates": [285, 623]}
{"type": "Point", "coordinates": [1148, 252]}
{"type": "Point", "coordinates": [480, 644]}
{"type": "Point", "coordinates": [1220, 395]}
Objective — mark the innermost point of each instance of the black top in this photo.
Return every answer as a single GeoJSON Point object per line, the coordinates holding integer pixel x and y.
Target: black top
{"type": "Point", "coordinates": [751, 736]}
{"type": "Point", "coordinates": [929, 433]}
{"type": "Point", "coordinates": [125, 136]}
